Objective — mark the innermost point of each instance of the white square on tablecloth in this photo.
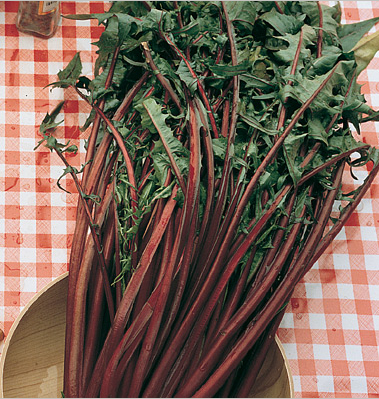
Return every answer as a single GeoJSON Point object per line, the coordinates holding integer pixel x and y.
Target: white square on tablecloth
{"type": "Point", "coordinates": [28, 198]}
{"type": "Point", "coordinates": [87, 69]}
{"type": "Point", "coordinates": [27, 68]}
{"type": "Point", "coordinates": [341, 261]}
{"type": "Point", "coordinates": [372, 74]}
{"type": "Point", "coordinates": [27, 92]}
{"type": "Point", "coordinates": [290, 350]}
{"type": "Point", "coordinates": [360, 174]}
{"type": "Point", "coordinates": [345, 291]}
{"type": "Point", "coordinates": [27, 171]}
{"type": "Point", "coordinates": [56, 94]}
{"type": "Point", "coordinates": [27, 144]}
{"type": "Point", "coordinates": [58, 227]}
{"type": "Point", "coordinates": [325, 383]}
{"type": "Point", "coordinates": [314, 290]}
{"type": "Point", "coordinates": [58, 255]}
{"type": "Point", "coordinates": [54, 67]}
{"type": "Point", "coordinates": [366, 202]}
{"type": "Point", "coordinates": [358, 384]}
{"type": "Point", "coordinates": [28, 255]}
{"type": "Point", "coordinates": [28, 226]}
{"type": "Point", "coordinates": [58, 198]}
{"type": "Point", "coordinates": [296, 383]}
{"type": "Point", "coordinates": [374, 97]}
{"type": "Point", "coordinates": [374, 292]}
{"type": "Point", "coordinates": [371, 262]}
{"type": "Point", "coordinates": [317, 321]}
{"type": "Point", "coordinates": [81, 121]}
{"type": "Point", "coordinates": [354, 353]}
{"type": "Point", "coordinates": [365, 4]}
{"type": "Point", "coordinates": [27, 118]}
{"type": "Point", "coordinates": [83, 44]}
{"type": "Point", "coordinates": [2, 166]}
{"type": "Point", "coordinates": [2, 259]}
{"type": "Point", "coordinates": [56, 171]}
{"type": "Point", "coordinates": [341, 236]}
{"type": "Point", "coordinates": [349, 321]}
{"type": "Point", "coordinates": [28, 284]}
{"type": "Point", "coordinates": [2, 70]}
{"type": "Point", "coordinates": [54, 43]}
{"type": "Point", "coordinates": [375, 319]}
{"type": "Point", "coordinates": [287, 321]}
{"type": "Point", "coordinates": [321, 352]}
{"type": "Point", "coordinates": [368, 233]}
{"type": "Point", "coordinates": [26, 42]}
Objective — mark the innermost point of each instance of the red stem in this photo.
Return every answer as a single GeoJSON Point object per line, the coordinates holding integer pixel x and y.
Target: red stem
{"type": "Point", "coordinates": [129, 296]}
{"type": "Point", "coordinates": [164, 82]}
{"type": "Point", "coordinates": [320, 31]}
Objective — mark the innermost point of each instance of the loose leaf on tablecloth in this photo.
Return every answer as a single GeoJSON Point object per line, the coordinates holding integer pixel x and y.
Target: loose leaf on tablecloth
{"type": "Point", "coordinates": [350, 34]}
{"type": "Point", "coordinates": [365, 50]}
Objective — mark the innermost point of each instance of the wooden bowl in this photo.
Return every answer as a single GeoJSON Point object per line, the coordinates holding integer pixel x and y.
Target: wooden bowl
{"type": "Point", "coordinates": [32, 359]}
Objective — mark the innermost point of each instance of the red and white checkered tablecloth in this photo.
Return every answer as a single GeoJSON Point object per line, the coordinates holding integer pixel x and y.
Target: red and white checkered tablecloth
{"type": "Point", "coordinates": [331, 329]}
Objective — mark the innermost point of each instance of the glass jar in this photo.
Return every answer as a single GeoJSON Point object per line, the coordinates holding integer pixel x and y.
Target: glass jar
{"type": "Point", "coordinates": [38, 18]}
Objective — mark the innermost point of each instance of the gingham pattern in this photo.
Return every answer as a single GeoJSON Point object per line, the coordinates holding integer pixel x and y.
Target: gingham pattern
{"type": "Point", "coordinates": [36, 217]}
{"type": "Point", "coordinates": [331, 329]}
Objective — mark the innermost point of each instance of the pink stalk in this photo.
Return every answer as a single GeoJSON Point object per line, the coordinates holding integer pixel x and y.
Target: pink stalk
{"type": "Point", "coordinates": [129, 296]}
{"type": "Point", "coordinates": [192, 190]}
{"type": "Point", "coordinates": [244, 344]}
{"type": "Point", "coordinates": [177, 342]}
{"type": "Point", "coordinates": [320, 31]}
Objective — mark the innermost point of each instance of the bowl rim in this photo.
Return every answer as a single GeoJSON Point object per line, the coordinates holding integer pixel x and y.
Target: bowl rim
{"type": "Point", "coordinates": [17, 321]}
{"type": "Point", "coordinates": [286, 366]}
{"type": "Point", "coordinates": [37, 295]}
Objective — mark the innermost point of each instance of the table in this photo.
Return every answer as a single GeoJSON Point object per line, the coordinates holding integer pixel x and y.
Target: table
{"type": "Point", "coordinates": [330, 331]}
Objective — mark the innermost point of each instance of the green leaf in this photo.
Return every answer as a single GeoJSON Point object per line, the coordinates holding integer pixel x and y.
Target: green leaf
{"type": "Point", "coordinates": [283, 23]}
{"type": "Point", "coordinates": [374, 155]}
{"type": "Point", "coordinates": [291, 146]}
{"type": "Point", "coordinates": [250, 120]}
{"type": "Point", "coordinates": [230, 70]}
{"type": "Point", "coordinates": [350, 34]}
{"type": "Point", "coordinates": [252, 81]}
{"type": "Point", "coordinates": [316, 129]}
{"type": "Point", "coordinates": [73, 70]}
{"type": "Point", "coordinates": [82, 17]}
{"type": "Point", "coordinates": [159, 120]}
{"type": "Point", "coordinates": [243, 12]}
{"type": "Point", "coordinates": [219, 146]}
{"type": "Point", "coordinates": [185, 75]}
{"type": "Point", "coordinates": [48, 122]}
{"type": "Point", "coordinates": [326, 62]}
{"type": "Point", "coordinates": [330, 16]}
{"type": "Point", "coordinates": [70, 75]}
{"type": "Point", "coordinates": [134, 8]}
{"type": "Point", "coordinates": [66, 171]}
{"type": "Point", "coordinates": [172, 146]}
{"type": "Point", "coordinates": [107, 43]}
{"type": "Point", "coordinates": [287, 55]}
